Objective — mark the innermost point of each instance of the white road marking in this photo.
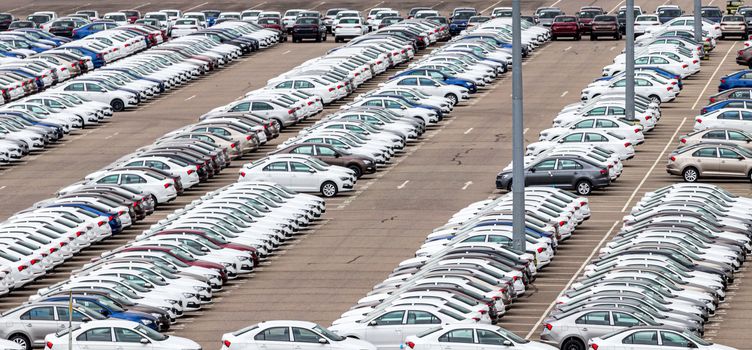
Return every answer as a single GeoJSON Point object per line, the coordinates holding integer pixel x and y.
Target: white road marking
{"type": "Point", "coordinates": [440, 2]}
{"type": "Point", "coordinates": [80, 6]}
{"type": "Point", "coordinates": [195, 7]}
{"type": "Point", "coordinates": [712, 77]}
{"type": "Point", "coordinates": [2, 187]}
{"type": "Point", "coordinates": [567, 49]}
{"type": "Point", "coordinates": [142, 5]}
{"type": "Point", "coordinates": [377, 4]}
{"type": "Point", "coordinates": [711, 2]}
{"type": "Point", "coordinates": [564, 93]}
{"type": "Point", "coordinates": [19, 8]}
{"type": "Point", "coordinates": [403, 185]}
{"type": "Point", "coordinates": [666, 2]}
{"type": "Point", "coordinates": [584, 263]}
{"type": "Point", "coordinates": [468, 131]}
{"type": "Point", "coordinates": [286, 52]}
{"type": "Point", "coordinates": [612, 48]}
{"type": "Point", "coordinates": [259, 5]}
{"type": "Point", "coordinates": [109, 137]}
{"type": "Point", "coordinates": [616, 7]}
{"type": "Point", "coordinates": [657, 159]}
{"type": "Point", "coordinates": [554, 4]}
{"type": "Point", "coordinates": [490, 7]}
{"type": "Point", "coordinates": [319, 4]}
{"type": "Point", "coordinates": [190, 98]}
{"type": "Point", "coordinates": [467, 184]}
{"type": "Point", "coordinates": [525, 131]}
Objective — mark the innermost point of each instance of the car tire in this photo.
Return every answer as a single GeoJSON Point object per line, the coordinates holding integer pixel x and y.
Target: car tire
{"type": "Point", "coordinates": [690, 174]}
{"type": "Point", "coordinates": [553, 37]}
{"type": "Point", "coordinates": [655, 98]}
{"type": "Point", "coordinates": [573, 344]}
{"type": "Point", "coordinates": [154, 199]}
{"type": "Point", "coordinates": [22, 340]}
{"type": "Point", "coordinates": [749, 176]}
{"type": "Point", "coordinates": [356, 169]}
{"type": "Point", "coordinates": [578, 37]}
{"type": "Point", "coordinates": [453, 98]}
{"type": "Point", "coordinates": [280, 126]}
{"type": "Point", "coordinates": [593, 37]}
{"type": "Point", "coordinates": [583, 187]}
{"type": "Point", "coordinates": [117, 105]}
{"type": "Point", "coordinates": [509, 186]}
{"type": "Point", "coordinates": [329, 189]}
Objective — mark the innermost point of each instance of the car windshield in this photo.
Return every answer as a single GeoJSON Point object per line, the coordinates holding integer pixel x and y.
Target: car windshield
{"type": "Point", "coordinates": [307, 21]}
{"type": "Point", "coordinates": [670, 13]}
{"type": "Point", "coordinates": [711, 13]}
{"type": "Point", "coordinates": [587, 14]}
{"type": "Point", "coordinates": [549, 14]}
{"type": "Point", "coordinates": [647, 19]}
{"type": "Point", "coordinates": [110, 305]}
{"type": "Point", "coordinates": [515, 338]}
{"type": "Point", "coordinates": [565, 20]}
{"type": "Point", "coordinates": [464, 15]}
{"type": "Point", "coordinates": [327, 333]}
{"type": "Point", "coordinates": [116, 17]}
{"type": "Point", "coordinates": [150, 333]}
{"type": "Point", "coordinates": [733, 19]}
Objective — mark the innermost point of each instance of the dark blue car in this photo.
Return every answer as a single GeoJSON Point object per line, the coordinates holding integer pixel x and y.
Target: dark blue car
{"type": "Point", "coordinates": [96, 58]}
{"type": "Point", "coordinates": [111, 310]}
{"type": "Point", "coordinates": [459, 20]}
{"type": "Point", "coordinates": [738, 79]}
{"type": "Point", "coordinates": [112, 219]}
{"type": "Point", "coordinates": [447, 79]}
{"type": "Point", "coordinates": [732, 103]}
{"type": "Point", "coordinates": [92, 28]}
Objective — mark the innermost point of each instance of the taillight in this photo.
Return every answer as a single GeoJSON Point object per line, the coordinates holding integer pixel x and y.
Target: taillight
{"type": "Point", "coordinates": [699, 120]}
{"type": "Point", "coordinates": [242, 173]}
{"type": "Point", "coordinates": [476, 319]}
{"type": "Point", "coordinates": [101, 223]}
{"type": "Point", "coordinates": [21, 267]}
{"type": "Point", "coordinates": [515, 278]}
{"type": "Point", "coordinates": [562, 223]}
{"type": "Point", "coordinates": [540, 249]}
{"type": "Point", "coordinates": [167, 185]}
{"type": "Point", "coordinates": [111, 218]}
{"type": "Point", "coordinates": [52, 250]}
{"type": "Point", "coordinates": [636, 130]}
{"type": "Point", "coordinates": [604, 171]}
{"type": "Point", "coordinates": [49, 345]}
{"type": "Point", "coordinates": [668, 88]}
{"type": "Point", "coordinates": [79, 233]}
{"type": "Point", "coordinates": [594, 346]}
{"type": "Point", "coordinates": [723, 81]}
{"type": "Point", "coordinates": [232, 145]}
{"type": "Point", "coordinates": [548, 326]}
{"type": "Point", "coordinates": [411, 345]}
{"type": "Point", "coordinates": [673, 159]}
{"type": "Point", "coordinates": [291, 111]}
{"type": "Point", "coordinates": [34, 261]}
{"type": "Point", "coordinates": [712, 99]}
{"type": "Point", "coordinates": [683, 140]}
{"type": "Point", "coordinates": [190, 171]}
{"type": "Point", "coordinates": [703, 111]}
{"type": "Point", "coordinates": [226, 343]}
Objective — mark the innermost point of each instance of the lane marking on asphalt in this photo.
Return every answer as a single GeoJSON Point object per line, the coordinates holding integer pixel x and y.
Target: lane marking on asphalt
{"type": "Point", "coordinates": [554, 4]}
{"type": "Point", "coordinates": [3, 187]}
{"type": "Point", "coordinates": [286, 52]}
{"type": "Point", "coordinates": [468, 131]}
{"type": "Point", "coordinates": [259, 5]}
{"type": "Point", "coordinates": [19, 8]}
{"type": "Point", "coordinates": [439, 3]}
{"type": "Point", "coordinates": [403, 185]}
{"type": "Point", "coordinates": [319, 4]}
{"type": "Point", "coordinates": [612, 48]}
{"type": "Point", "coordinates": [564, 93]}
{"type": "Point", "coordinates": [467, 184]}
{"type": "Point", "coordinates": [490, 7]}
{"type": "Point", "coordinates": [115, 134]}
{"type": "Point", "coordinates": [142, 5]}
{"type": "Point", "coordinates": [195, 7]}
{"type": "Point", "coordinates": [616, 7]}
{"type": "Point", "coordinates": [190, 98]}
{"type": "Point", "coordinates": [525, 131]}
{"type": "Point", "coordinates": [666, 2]}
{"type": "Point", "coordinates": [657, 159]}
{"type": "Point", "coordinates": [576, 274]}
{"type": "Point", "coordinates": [567, 49]}
{"type": "Point", "coordinates": [80, 6]}
{"type": "Point", "coordinates": [711, 2]}
{"type": "Point", "coordinates": [712, 77]}
{"type": "Point", "coordinates": [377, 4]}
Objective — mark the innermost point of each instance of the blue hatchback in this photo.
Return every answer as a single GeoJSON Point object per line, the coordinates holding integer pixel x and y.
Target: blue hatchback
{"type": "Point", "coordinates": [732, 103]}
{"type": "Point", "coordinates": [111, 310]}
{"type": "Point", "coordinates": [92, 28]}
{"type": "Point", "coordinates": [739, 79]}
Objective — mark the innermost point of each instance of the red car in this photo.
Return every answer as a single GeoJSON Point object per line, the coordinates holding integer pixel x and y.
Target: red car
{"type": "Point", "coordinates": [214, 239]}
{"type": "Point", "coordinates": [132, 15]}
{"type": "Point", "coordinates": [585, 17]}
{"type": "Point", "coordinates": [274, 23]}
{"type": "Point", "coordinates": [566, 26]}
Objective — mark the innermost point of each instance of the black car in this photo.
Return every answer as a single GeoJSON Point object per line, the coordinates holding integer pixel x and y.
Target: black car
{"type": "Point", "coordinates": [63, 28]}
{"type": "Point", "coordinates": [572, 173]}
{"type": "Point", "coordinates": [21, 24]}
{"type": "Point", "coordinates": [622, 19]}
{"type": "Point", "coordinates": [308, 28]}
{"type": "Point", "coordinates": [5, 20]}
{"type": "Point", "coordinates": [712, 13]}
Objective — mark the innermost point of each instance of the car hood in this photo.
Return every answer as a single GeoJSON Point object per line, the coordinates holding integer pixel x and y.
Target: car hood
{"type": "Point", "coordinates": [174, 342]}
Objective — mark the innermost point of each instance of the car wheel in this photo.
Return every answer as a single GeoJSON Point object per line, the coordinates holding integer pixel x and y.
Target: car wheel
{"type": "Point", "coordinates": [357, 171]}
{"type": "Point", "coordinates": [690, 174]}
{"type": "Point", "coordinates": [584, 187]}
{"type": "Point", "coordinates": [154, 199]}
{"type": "Point", "coordinates": [278, 124]}
{"type": "Point", "coordinates": [553, 37]}
{"type": "Point", "coordinates": [509, 186]}
{"type": "Point", "coordinates": [324, 39]}
{"type": "Point", "coordinates": [329, 189]}
{"type": "Point", "coordinates": [572, 344]}
{"type": "Point", "coordinates": [453, 98]}
{"type": "Point", "coordinates": [578, 37]}
{"type": "Point", "coordinates": [318, 38]}
{"type": "Point", "coordinates": [593, 37]}
{"type": "Point", "coordinates": [22, 340]}
{"type": "Point", "coordinates": [117, 105]}
{"type": "Point", "coordinates": [749, 176]}
{"type": "Point", "coordinates": [654, 98]}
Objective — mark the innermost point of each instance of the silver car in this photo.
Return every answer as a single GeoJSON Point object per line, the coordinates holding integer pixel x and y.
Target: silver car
{"type": "Point", "coordinates": [572, 330]}
{"type": "Point", "coordinates": [28, 324]}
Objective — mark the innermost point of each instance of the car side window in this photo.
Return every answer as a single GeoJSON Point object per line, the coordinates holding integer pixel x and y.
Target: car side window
{"type": "Point", "coordinates": [335, 126]}
{"type": "Point", "coordinates": [728, 154]}
{"type": "Point", "coordinates": [303, 150]}
{"type": "Point", "coordinates": [39, 314]}
{"type": "Point", "coordinates": [457, 336]}
{"type": "Point", "coordinates": [715, 135]}
{"type": "Point", "coordinates": [422, 317]}
{"type": "Point", "coordinates": [729, 115]}
{"type": "Point", "coordinates": [595, 318]}
{"type": "Point", "coordinates": [604, 123]}
{"type": "Point", "coordinates": [62, 315]}
{"type": "Point", "coordinates": [546, 165]}
{"type": "Point", "coordinates": [426, 82]}
{"type": "Point", "coordinates": [303, 335]}
{"type": "Point", "coordinates": [736, 136]}
{"type": "Point", "coordinates": [137, 163]}
{"type": "Point", "coordinates": [568, 164]}
{"type": "Point", "coordinates": [390, 318]}
{"type": "Point", "coordinates": [624, 320]}
{"type": "Point", "coordinates": [658, 60]}
{"type": "Point", "coordinates": [302, 84]}
{"type": "Point", "coordinates": [284, 85]}
{"type": "Point", "coordinates": [276, 166]}
{"type": "Point", "coordinates": [740, 94]}
{"type": "Point", "coordinates": [735, 104]}
{"type": "Point", "coordinates": [641, 60]}
{"type": "Point", "coordinates": [597, 111]}
{"type": "Point", "coordinates": [133, 179]}
{"type": "Point", "coordinates": [93, 87]}
{"type": "Point", "coordinates": [274, 334]}
{"type": "Point", "coordinates": [746, 115]}
{"type": "Point", "coordinates": [489, 337]}
{"type": "Point", "coordinates": [156, 164]}
{"type": "Point", "coordinates": [299, 167]}
{"type": "Point", "coordinates": [325, 151]}
{"type": "Point", "coordinates": [642, 82]}
{"type": "Point", "coordinates": [616, 111]}
{"type": "Point", "coordinates": [261, 106]}
{"type": "Point", "coordinates": [127, 336]}
{"type": "Point", "coordinates": [706, 153]}
{"type": "Point", "coordinates": [642, 338]}
{"type": "Point", "coordinates": [374, 103]}
{"type": "Point", "coordinates": [474, 239]}
{"type": "Point", "coordinates": [585, 124]}
{"type": "Point", "coordinates": [392, 104]}
{"type": "Point", "coordinates": [75, 87]}
{"type": "Point", "coordinates": [109, 179]}
{"type": "Point", "coordinates": [96, 334]}
{"type": "Point", "coordinates": [591, 137]}
{"type": "Point", "coordinates": [409, 82]}
{"type": "Point", "coordinates": [673, 339]}
{"type": "Point", "coordinates": [576, 137]}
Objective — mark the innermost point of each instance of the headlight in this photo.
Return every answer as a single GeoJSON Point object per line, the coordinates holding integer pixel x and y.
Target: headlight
{"type": "Point", "coordinates": [158, 316]}
{"type": "Point", "coordinates": [172, 301]}
{"type": "Point", "coordinates": [146, 322]}
{"type": "Point", "coordinates": [344, 178]}
{"type": "Point", "coordinates": [188, 295]}
{"type": "Point", "coordinates": [226, 264]}
{"type": "Point", "coordinates": [367, 162]}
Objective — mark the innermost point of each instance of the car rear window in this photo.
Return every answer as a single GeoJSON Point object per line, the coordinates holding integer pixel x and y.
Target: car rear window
{"type": "Point", "coordinates": [733, 19]}
{"type": "Point", "coordinates": [5, 17]}
{"type": "Point", "coordinates": [307, 21]}
{"type": "Point", "coordinates": [604, 19]}
{"type": "Point", "coordinates": [561, 19]}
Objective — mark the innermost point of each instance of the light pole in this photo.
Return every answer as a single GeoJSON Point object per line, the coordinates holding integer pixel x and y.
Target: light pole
{"type": "Point", "coordinates": [698, 21]}
{"type": "Point", "coordinates": [630, 74]}
{"type": "Point", "coordinates": [518, 167]}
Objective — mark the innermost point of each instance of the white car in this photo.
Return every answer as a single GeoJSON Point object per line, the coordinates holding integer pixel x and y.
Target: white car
{"type": "Point", "coordinates": [607, 140]}
{"type": "Point", "coordinates": [725, 118]}
{"type": "Point", "coordinates": [250, 15]}
{"type": "Point", "coordinates": [430, 86]}
{"type": "Point", "coordinates": [611, 124]}
{"type": "Point", "coordinates": [118, 17]}
{"type": "Point", "coordinates": [653, 90]}
{"type": "Point", "coordinates": [92, 90]}
{"type": "Point", "coordinates": [644, 337]}
{"type": "Point", "coordinates": [162, 189]}
{"type": "Point", "coordinates": [348, 28]}
{"type": "Point", "coordinates": [288, 19]}
{"type": "Point", "coordinates": [184, 26]}
{"type": "Point", "coordinates": [652, 60]}
{"type": "Point", "coordinates": [297, 175]}
{"type": "Point", "coordinates": [471, 337]}
{"type": "Point", "coordinates": [643, 22]}
{"type": "Point", "coordinates": [295, 334]}
{"type": "Point", "coordinates": [111, 333]}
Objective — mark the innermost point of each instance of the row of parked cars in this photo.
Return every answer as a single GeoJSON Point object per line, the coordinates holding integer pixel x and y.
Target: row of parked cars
{"type": "Point", "coordinates": [590, 139]}
{"type": "Point", "coordinates": [465, 276]}
{"type": "Point", "coordinates": [661, 277]}
{"type": "Point", "coordinates": [32, 120]}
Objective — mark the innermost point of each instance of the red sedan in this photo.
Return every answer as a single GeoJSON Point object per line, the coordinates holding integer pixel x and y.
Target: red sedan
{"type": "Point", "coordinates": [566, 26]}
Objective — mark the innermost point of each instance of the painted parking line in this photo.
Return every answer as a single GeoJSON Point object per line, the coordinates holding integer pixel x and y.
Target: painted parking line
{"type": "Point", "coordinates": [190, 98]}
{"type": "Point", "coordinates": [403, 185]}
{"type": "Point", "coordinates": [712, 77]}
{"type": "Point", "coordinates": [564, 93]}
{"type": "Point", "coordinates": [490, 7]}
{"type": "Point", "coordinates": [258, 5]}
{"type": "Point", "coordinates": [286, 52]}
{"type": "Point", "coordinates": [197, 6]}
{"type": "Point", "coordinates": [616, 7]}
{"type": "Point", "coordinates": [317, 5]}
{"type": "Point", "coordinates": [377, 4]}
{"type": "Point", "coordinates": [142, 5]}
{"type": "Point", "coordinates": [467, 184]}
{"type": "Point", "coordinates": [468, 131]}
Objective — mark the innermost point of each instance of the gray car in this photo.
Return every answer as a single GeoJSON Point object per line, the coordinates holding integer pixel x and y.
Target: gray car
{"type": "Point", "coordinates": [566, 172]}
{"type": "Point", "coordinates": [546, 17]}
{"type": "Point", "coordinates": [28, 324]}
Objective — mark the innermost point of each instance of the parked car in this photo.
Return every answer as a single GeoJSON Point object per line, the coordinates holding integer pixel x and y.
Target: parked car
{"type": "Point", "coordinates": [308, 28]}
{"type": "Point", "coordinates": [578, 174]}
{"type": "Point", "coordinates": [604, 25]}
{"type": "Point", "coordinates": [565, 26]}
{"type": "Point", "coordinates": [733, 25]}
{"type": "Point", "coordinates": [709, 160]}
{"type": "Point", "coordinates": [101, 335]}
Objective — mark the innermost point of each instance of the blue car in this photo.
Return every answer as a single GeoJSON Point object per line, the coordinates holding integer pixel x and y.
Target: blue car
{"type": "Point", "coordinates": [437, 74]}
{"type": "Point", "coordinates": [41, 34]}
{"type": "Point", "coordinates": [459, 19]}
{"type": "Point", "coordinates": [96, 58]}
{"type": "Point", "coordinates": [732, 103]}
{"type": "Point", "coordinates": [112, 219]}
{"type": "Point", "coordinates": [111, 310]}
{"type": "Point", "coordinates": [92, 28]}
{"type": "Point", "coordinates": [740, 79]}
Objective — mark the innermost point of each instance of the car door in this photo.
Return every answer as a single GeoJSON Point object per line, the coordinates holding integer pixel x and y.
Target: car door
{"type": "Point", "coordinates": [38, 322]}
{"type": "Point", "coordinates": [457, 339]}
{"type": "Point", "coordinates": [541, 173]}
{"type": "Point", "coordinates": [728, 119]}
{"type": "Point", "coordinates": [594, 324]}
{"type": "Point", "coordinates": [418, 321]}
{"type": "Point", "coordinates": [674, 340]}
{"type": "Point", "coordinates": [386, 330]}
{"type": "Point", "coordinates": [328, 155]}
{"type": "Point", "coordinates": [490, 340]}
{"type": "Point", "coordinates": [127, 339]}
{"type": "Point", "coordinates": [274, 338]}
{"type": "Point", "coordinates": [429, 85]}
{"type": "Point", "coordinates": [731, 163]}
{"type": "Point", "coordinates": [746, 122]}
{"type": "Point", "coordinates": [63, 317]}
{"type": "Point", "coordinates": [566, 171]}
{"type": "Point", "coordinates": [277, 172]}
{"type": "Point", "coordinates": [706, 160]}
{"type": "Point", "coordinates": [304, 339]}
{"type": "Point", "coordinates": [241, 107]}
{"type": "Point", "coordinates": [739, 138]}
{"type": "Point", "coordinates": [262, 108]}
{"type": "Point", "coordinates": [95, 339]}
{"type": "Point", "coordinates": [303, 177]}
{"type": "Point", "coordinates": [642, 340]}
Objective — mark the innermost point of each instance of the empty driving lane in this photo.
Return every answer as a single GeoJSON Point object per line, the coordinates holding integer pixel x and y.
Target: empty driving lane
{"type": "Point", "coordinates": [78, 155]}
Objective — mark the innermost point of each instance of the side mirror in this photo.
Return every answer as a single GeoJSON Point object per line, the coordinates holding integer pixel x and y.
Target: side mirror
{"type": "Point", "coordinates": [337, 155]}
{"type": "Point", "coordinates": [204, 249]}
{"type": "Point", "coordinates": [403, 107]}
{"type": "Point", "coordinates": [436, 85]}
{"type": "Point", "coordinates": [532, 170]}
{"type": "Point", "coordinates": [323, 341]}
{"type": "Point", "coordinates": [740, 158]}
{"type": "Point", "coordinates": [691, 345]}
{"type": "Point", "coordinates": [85, 319]}
{"type": "Point", "coordinates": [311, 170]}
{"type": "Point", "coordinates": [749, 140]}
{"type": "Point", "coordinates": [373, 323]}
{"type": "Point", "coordinates": [506, 343]}
{"type": "Point", "coordinates": [144, 341]}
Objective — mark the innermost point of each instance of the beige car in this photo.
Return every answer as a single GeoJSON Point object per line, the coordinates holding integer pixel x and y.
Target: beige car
{"type": "Point", "coordinates": [733, 25]}
{"type": "Point", "coordinates": [710, 160]}
{"type": "Point", "coordinates": [729, 136]}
